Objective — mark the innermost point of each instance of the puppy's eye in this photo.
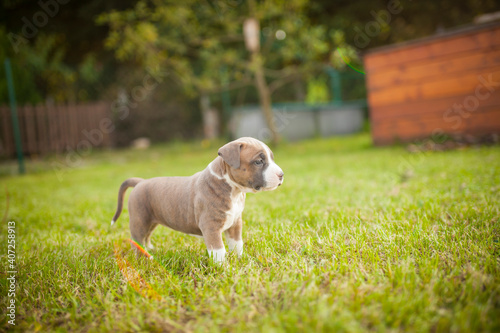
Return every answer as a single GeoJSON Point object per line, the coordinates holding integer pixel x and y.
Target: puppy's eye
{"type": "Point", "coordinates": [258, 162]}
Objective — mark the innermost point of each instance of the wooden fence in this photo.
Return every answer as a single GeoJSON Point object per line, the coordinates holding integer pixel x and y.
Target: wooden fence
{"type": "Point", "coordinates": [56, 129]}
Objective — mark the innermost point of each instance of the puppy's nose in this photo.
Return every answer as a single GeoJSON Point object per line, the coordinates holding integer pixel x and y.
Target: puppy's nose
{"type": "Point", "coordinates": [280, 175]}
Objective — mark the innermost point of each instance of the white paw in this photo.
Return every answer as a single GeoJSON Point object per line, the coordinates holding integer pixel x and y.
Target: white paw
{"type": "Point", "coordinates": [217, 256]}
{"type": "Point", "coordinates": [235, 245]}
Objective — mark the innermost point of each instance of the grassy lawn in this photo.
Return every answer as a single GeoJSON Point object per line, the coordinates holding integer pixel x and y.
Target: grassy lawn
{"type": "Point", "coordinates": [357, 239]}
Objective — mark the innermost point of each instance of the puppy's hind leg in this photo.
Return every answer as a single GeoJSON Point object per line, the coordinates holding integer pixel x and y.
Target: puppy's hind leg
{"type": "Point", "coordinates": [148, 244]}
{"type": "Point", "coordinates": [140, 230]}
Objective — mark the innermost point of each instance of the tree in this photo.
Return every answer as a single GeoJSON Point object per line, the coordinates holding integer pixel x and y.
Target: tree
{"type": "Point", "coordinates": [56, 49]}
{"type": "Point", "coordinates": [412, 19]}
{"type": "Point", "coordinates": [202, 43]}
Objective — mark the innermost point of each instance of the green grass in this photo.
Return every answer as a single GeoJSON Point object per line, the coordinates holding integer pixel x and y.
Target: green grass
{"type": "Point", "coordinates": [357, 239]}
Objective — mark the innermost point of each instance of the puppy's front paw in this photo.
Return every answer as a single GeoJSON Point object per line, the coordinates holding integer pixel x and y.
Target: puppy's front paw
{"type": "Point", "coordinates": [218, 256]}
{"type": "Point", "coordinates": [234, 245]}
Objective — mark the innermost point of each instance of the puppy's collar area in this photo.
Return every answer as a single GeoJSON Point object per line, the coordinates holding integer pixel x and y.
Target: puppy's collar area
{"type": "Point", "coordinates": [235, 186]}
{"type": "Point", "coordinates": [225, 176]}
{"type": "Point", "coordinates": [212, 172]}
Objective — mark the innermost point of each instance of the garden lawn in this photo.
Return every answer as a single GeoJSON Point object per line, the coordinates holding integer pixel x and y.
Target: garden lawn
{"type": "Point", "coordinates": [357, 239]}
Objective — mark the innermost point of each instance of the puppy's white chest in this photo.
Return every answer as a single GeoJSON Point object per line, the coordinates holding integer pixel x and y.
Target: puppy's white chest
{"type": "Point", "coordinates": [237, 206]}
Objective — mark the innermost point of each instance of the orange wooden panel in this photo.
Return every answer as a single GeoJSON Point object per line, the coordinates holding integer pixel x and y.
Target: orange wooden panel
{"type": "Point", "coordinates": [405, 129]}
{"type": "Point", "coordinates": [450, 86]}
{"type": "Point", "coordinates": [469, 41]}
{"type": "Point", "coordinates": [434, 69]}
{"type": "Point", "coordinates": [424, 108]}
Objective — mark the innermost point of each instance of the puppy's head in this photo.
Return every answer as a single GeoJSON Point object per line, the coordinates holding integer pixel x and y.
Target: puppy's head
{"type": "Point", "coordinates": [250, 164]}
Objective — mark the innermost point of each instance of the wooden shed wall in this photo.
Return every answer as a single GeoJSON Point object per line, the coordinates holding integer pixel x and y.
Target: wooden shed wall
{"type": "Point", "coordinates": [436, 85]}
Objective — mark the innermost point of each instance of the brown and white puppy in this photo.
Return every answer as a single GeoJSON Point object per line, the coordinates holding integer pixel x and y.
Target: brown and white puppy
{"type": "Point", "coordinates": [206, 204]}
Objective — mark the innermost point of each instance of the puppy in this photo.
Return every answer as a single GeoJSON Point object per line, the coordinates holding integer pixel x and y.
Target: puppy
{"type": "Point", "coordinates": [206, 204]}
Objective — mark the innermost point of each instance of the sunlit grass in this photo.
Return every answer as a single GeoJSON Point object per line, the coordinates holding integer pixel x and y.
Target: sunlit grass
{"type": "Point", "coordinates": [358, 238]}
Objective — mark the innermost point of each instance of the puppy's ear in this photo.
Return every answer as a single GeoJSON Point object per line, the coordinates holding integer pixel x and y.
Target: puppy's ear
{"type": "Point", "coordinates": [230, 153]}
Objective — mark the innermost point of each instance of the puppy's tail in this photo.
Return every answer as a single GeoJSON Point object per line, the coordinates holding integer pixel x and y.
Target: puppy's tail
{"type": "Point", "coordinates": [131, 182]}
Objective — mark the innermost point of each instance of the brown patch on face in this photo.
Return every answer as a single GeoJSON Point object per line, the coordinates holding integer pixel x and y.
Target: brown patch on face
{"type": "Point", "coordinates": [253, 163]}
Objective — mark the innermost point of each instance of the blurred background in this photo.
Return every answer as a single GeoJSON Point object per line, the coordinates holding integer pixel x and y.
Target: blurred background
{"type": "Point", "coordinates": [79, 75]}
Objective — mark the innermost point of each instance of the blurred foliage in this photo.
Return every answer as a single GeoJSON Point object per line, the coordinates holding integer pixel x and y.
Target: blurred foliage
{"type": "Point", "coordinates": [202, 42]}
{"type": "Point", "coordinates": [90, 50]}
{"type": "Point", "coordinates": [40, 72]}
{"type": "Point", "coordinates": [25, 87]}
{"type": "Point", "coordinates": [416, 18]}
{"type": "Point", "coordinates": [64, 59]}
{"type": "Point", "coordinates": [317, 90]}
{"type": "Point", "coordinates": [353, 85]}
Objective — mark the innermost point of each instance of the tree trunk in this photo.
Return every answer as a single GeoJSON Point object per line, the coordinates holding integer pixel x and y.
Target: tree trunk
{"type": "Point", "coordinates": [210, 118]}
{"type": "Point", "coordinates": [264, 97]}
{"type": "Point", "coordinates": [300, 94]}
